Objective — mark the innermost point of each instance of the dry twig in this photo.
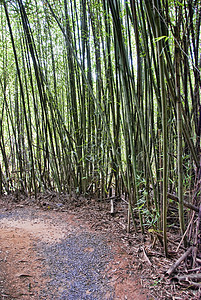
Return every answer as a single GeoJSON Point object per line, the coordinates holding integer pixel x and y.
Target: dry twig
{"type": "Point", "coordinates": [177, 263]}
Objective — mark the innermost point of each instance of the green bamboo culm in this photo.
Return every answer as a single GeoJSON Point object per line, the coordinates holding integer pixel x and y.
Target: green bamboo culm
{"type": "Point", "coordinates": [179, 121]}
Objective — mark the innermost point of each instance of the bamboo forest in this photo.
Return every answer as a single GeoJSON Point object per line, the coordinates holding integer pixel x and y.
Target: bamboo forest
{"type": "Point", "coordinates": [101, 99]}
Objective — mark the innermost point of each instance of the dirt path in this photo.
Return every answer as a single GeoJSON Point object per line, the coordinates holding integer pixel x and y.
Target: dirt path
{"type": "Point", "coordinates": [55, 255]}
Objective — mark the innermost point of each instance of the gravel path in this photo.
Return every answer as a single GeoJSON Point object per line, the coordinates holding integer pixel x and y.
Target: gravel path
{"type": "Point", "coordinates": [76, 267]}
{"type": "Point", "coordinates": [73, 266]}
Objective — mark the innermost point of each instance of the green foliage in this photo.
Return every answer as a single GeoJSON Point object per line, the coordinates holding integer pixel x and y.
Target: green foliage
{"type": "Point", "coordinates": [150, 216]}
{"type": "Point", "coordinates": [157, 39]}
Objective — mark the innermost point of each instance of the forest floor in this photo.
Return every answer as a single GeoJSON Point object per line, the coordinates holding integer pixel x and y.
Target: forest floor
{"type": "Point", "coordinates": [64, 247]}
